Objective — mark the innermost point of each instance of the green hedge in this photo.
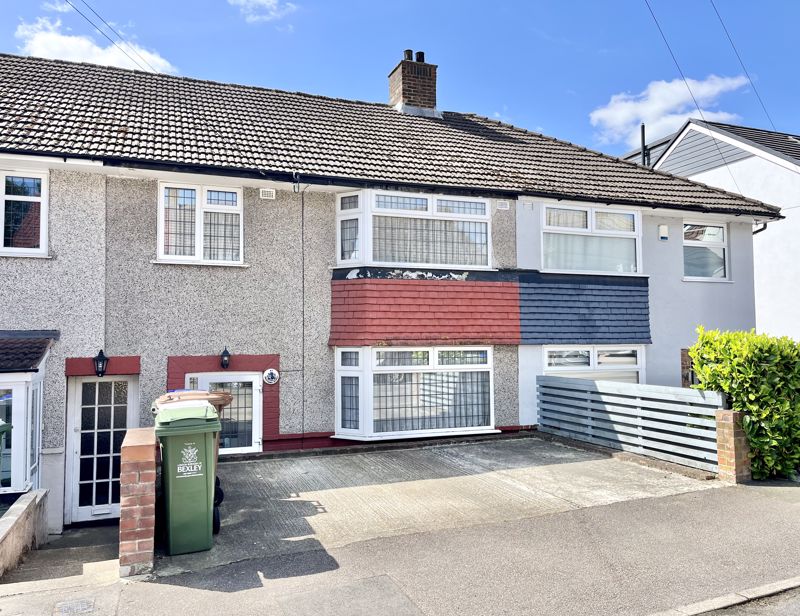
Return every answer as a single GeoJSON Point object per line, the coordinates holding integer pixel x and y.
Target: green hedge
{"type": "Point", "coordinates": [761, 376]}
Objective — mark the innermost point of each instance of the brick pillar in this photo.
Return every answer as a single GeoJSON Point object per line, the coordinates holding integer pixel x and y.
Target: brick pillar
{"type": "Point", "coordinates": [137, 515]}
{"type": "Point", "coordinates": [733, 452]}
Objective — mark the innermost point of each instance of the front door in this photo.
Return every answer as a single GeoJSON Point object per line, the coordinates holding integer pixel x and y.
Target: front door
{"type": "Point", "coordinates": [100, 411]}
{"type": "Point", "coordinates": [241, 419]}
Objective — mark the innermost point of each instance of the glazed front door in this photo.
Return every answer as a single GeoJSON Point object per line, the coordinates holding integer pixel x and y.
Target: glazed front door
{"type": "Point", "coordinates": [100, 411]}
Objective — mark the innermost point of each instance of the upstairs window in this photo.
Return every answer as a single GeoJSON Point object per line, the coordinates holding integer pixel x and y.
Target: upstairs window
{"type": "Point", "coordinates": [583, 239]}
{"type": "Point", "coordinates": [200, 224]}
{"type": "Point", "coordinates": [418, 230]}
{"type": "Point", "coordinates": [23, 215]}
{"type": "Point", "coordinates": [705, 249]}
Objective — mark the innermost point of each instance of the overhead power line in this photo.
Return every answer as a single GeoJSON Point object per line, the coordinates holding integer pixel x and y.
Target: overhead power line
{"type": "Point", "coordinates": [689, 88]}
{"type": "Point", "coordinates": [744, 68]}
{"type": "Point", "coordinates": [121, 38]}
{"type": "Point", "coordinates": [113, 42]}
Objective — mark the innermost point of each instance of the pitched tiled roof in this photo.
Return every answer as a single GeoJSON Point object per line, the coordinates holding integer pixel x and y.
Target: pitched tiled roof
{"type": "Point", "coordinates": [56, 107]}
{"type": "Point", "coordinates": [21, 351]}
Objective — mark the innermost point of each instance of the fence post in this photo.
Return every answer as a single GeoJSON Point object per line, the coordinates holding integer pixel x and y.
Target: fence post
{"type": "Point", "coordinates": [137, 512]}
{"type": "Point", "coordinates": [733, 452]}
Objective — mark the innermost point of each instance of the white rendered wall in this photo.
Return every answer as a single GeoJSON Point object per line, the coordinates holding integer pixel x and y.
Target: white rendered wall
{"type": "Point", "coordinates": [776, 250]}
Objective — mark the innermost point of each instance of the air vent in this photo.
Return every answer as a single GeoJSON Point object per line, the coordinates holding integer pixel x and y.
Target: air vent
{"type": "Point", "coordinates": [503, 205]}
{"type": "Point", "coordinates": [266, 193]}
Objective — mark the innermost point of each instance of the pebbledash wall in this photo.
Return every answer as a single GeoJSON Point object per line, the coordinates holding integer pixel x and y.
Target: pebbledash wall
{"type": "Point", "coordinates": [159, 310]}
{"type": "Point", "coordinates": [64, 292]}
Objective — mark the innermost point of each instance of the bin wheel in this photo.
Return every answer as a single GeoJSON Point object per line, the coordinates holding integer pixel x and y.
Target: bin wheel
{"type": "Point", "coordinates": [216, 482]}
{"type": "Point", "coordinates": [216, 521]}
{"type": "Point", "coordinates": [219, 496]}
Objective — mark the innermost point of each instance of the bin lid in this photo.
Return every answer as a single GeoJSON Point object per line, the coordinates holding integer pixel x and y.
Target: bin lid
{"type": "Point", "coordinates": [217, 398]}
{"type": "Point", "coordinates": [187, 418]}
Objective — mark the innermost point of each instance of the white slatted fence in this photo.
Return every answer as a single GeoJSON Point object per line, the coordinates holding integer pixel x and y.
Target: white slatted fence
{"type": "Point", "coordinates": [670, 423]}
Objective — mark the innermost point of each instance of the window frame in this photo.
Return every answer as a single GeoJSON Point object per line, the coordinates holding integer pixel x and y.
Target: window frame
{"type": "Point", "coordinates": [591, 216]}
{"type": "Point", "coordinates": [44, 202]}
{"type": "Point", "coordinates": [356, 371]}
{"type": "Point", "coordinates": [201, 208]}
{"type": "Point", "coordinates": [593, 366]}
{"type": "Point", "coordinates": [238, 376]}
{"type": "Point", "coordinates": [368, 367]}
{"type": "Point", "coordinates": [27, 393]}
{"type": "Point", "coordinates": [350, 214]}
{"type": "Point", "coordinates": [367, 211]}
{"type": "Point", "coordinates": [725, 245]}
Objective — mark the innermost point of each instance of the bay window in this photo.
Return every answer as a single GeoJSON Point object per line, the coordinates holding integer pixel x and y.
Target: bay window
{"type": "Point", "coordinates": [585, 239]}
{"type": "Point", "coordinates": [403, 229]}
{"type": "Point", "coordinates": [23, 214]}
{"type": "Point", "coordinates": [413, 392]}
{"type": "Point", "coordinates": [596, 363]}
{"type": "Point", "coordinates": [705, 251]}
{"type": "Point", "coordinates": [200, 224]}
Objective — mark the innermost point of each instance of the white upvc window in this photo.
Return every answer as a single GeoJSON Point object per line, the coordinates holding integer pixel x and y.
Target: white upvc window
{"type": "Point", "coordinates": [384, 228]}
{"type": "Point", "coordinates": [23, 214]}
{"type": "Point", "coordinates": [21, 401]}
{"type": "Point", "coordinates": [413, 392]}
{"type": "Point", "coordinates": [595, 240]}
{"type": "Point", "coordinates": [242, 419]}
{"type": "Point", "coordinates": [705, 251]}
{"type": "Point", "coordinates": [200, 224]}
{"type": "Point", "coordinates": [623, 363]}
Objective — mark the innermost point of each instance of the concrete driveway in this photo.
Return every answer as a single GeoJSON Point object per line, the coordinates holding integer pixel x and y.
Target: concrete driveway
{"type": "Point", "coordinates": [321, 502]}
{"type": "Point", "coordinates": [508, 527]}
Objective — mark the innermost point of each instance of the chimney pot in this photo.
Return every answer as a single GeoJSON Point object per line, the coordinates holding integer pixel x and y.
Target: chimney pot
{"type": "Point", "coordinates": [408, 54]}
{"type": "Point", "coordinates": [420, 56]}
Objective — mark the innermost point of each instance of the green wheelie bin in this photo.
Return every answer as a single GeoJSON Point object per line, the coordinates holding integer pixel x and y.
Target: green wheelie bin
{"type": "Point", "coordinates": [187, 433]}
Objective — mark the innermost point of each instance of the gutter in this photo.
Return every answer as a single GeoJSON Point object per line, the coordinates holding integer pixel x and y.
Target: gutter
{"type": "Point", "coordinates": [324, 180]}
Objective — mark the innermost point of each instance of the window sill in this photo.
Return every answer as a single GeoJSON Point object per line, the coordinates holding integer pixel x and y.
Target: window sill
{"type": "Point", "coordinates": [199, 263]}
{"type": "Point", "coordinates": [20, 255]}
{"type": "Point", "coordinates": [714, 280]}
{"type": "Point", "coordinates": [395, 436]}
{"type": "Point", "coordinates": [592, 273]}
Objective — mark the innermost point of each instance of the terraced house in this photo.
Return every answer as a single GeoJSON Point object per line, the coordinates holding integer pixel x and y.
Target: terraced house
{"type": "Point", "coordinates": [404, 271]}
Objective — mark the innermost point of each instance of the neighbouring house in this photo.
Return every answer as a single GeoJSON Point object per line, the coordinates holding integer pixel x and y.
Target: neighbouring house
{"type": "Point", "coordinates": [760, 164]}
{"type": "Point", "coordinates": [375, 271]}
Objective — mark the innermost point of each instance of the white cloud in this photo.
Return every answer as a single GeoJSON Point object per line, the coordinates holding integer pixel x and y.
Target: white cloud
{"type": "Point", "coordinates": [663, 106]}
{"type": "Point", "coordinates": [58, 6]}
{"type": "Point", "coordinates": [255, 11]}
{"type": "Point", "coordinates": [44, 38]}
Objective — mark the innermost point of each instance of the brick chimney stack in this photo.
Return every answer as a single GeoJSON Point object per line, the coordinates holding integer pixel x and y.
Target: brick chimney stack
{"type": "Point", "coordinates": [412, 85]}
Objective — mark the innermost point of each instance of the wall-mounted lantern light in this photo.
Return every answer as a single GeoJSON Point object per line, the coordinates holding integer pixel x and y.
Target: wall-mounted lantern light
{"type": "Point", "coordinates": [225, 359]}
{"type": "Point", "coordinates": [100, 363]}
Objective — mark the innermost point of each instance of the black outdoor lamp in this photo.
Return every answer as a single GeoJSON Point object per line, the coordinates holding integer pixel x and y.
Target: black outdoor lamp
{"type": "Point", "coordinates": [224, 359]}
{"type": "Point", "coordinates": [100, 363]}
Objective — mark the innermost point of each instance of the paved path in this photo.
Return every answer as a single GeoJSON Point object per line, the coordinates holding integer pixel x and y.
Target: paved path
{"type": "Point", "coordinates": [633, 552]}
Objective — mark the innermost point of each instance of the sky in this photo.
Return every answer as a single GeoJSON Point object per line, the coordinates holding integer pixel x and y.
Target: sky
{"type": "Point", "coordinates": [588, 72]}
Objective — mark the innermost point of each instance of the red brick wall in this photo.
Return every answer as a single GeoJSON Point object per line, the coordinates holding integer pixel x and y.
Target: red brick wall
{"type": "Point", "coordinates": [137, 511]}
{"type": "Point", "coordinates": [179, 366]}
{"type": "Point", "coordinates": [117, 365]}
{"type": "Point", "coordinates": [369, 312]}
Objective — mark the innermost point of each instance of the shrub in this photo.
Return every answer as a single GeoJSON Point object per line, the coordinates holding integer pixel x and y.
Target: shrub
{"type": "Point", "coordinates": [761, 376]}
